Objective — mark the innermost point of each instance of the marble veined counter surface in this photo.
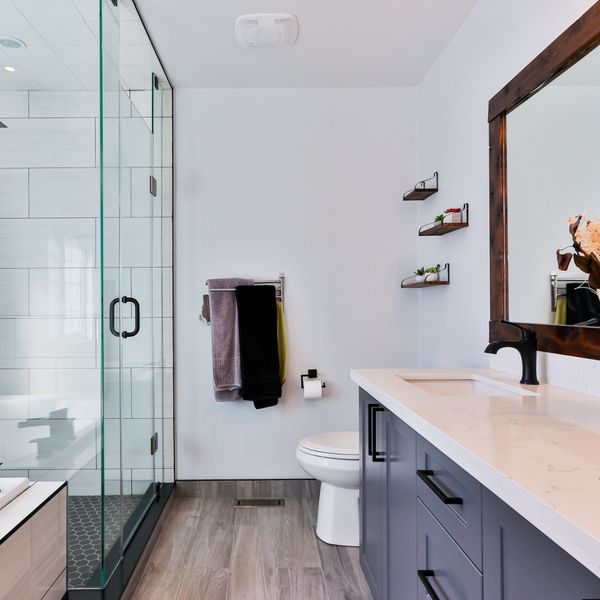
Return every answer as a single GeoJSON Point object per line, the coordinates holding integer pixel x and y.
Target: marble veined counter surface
{"type": "Point", "coordinates": [538, 453]}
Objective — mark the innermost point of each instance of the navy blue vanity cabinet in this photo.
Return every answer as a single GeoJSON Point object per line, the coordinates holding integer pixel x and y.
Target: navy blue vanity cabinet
{"type": "Point", "coordinates": [388, 529]}
{"type": "Point", "coordinates": [444, 570]}
{"type": "Point", "coordinates": [373, 509]}
{"type": "Point", "coordinates": [400, 458]}
{"type": "Point", "coordinates": [521, 563]}
{"type": "Point", "coordinates": [452, 496]}
{"type": "Point", "coordinates": [430, 530]}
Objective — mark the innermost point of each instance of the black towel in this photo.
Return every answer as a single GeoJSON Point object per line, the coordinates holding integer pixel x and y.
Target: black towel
{"type": "Point", "coordinates": [259, 354]}
{"type": "Point", "coordinates": [582, 305]}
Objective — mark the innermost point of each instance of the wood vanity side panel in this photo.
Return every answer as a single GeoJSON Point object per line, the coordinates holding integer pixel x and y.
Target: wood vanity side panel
{"type": "Point", "coordinates": [49, 543]}
{"type": "Point", "coordinates": [16, 563]}
{"type": "Point", "coordinates": [522, 563]}
{"type": "Point", "coordinates": [58, 589]}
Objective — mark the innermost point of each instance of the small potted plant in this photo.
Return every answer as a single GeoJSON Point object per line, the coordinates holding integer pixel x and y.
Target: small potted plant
{"type": "Point", "coordinates": [432, 274]}
{"type": "Point", "coordinates": [452, 215]}
{"type": "Point", "coordinates": [420, 275]}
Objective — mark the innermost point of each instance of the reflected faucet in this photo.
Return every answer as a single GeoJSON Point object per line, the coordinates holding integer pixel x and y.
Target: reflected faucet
{"type": "Point", "coordinates": [527, 347]}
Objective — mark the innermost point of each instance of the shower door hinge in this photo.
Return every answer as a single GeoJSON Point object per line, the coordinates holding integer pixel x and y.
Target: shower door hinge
{"type": "Point", "coordinates": [154, 443]}
{"type": "Point", "coordinates": [153, 185]}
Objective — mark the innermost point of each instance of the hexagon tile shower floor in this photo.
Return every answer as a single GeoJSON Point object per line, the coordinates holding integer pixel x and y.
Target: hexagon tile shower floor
{"type": "Point", "coordinates": [84, 534]}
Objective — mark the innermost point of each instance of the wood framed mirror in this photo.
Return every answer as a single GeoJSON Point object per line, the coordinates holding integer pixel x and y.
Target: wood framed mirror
{"type": "Point", "coordinates": [519, 203]}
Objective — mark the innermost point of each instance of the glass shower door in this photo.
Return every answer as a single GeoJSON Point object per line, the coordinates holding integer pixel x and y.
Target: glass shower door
{"type": "Point", "coordinates": [129, 439]}
{"type": "Point", "coordinates": [113, 285]}
{"type": "Point", "coordinates": [129, 423]}
{"type": "Point", "coordinates": [139, 348]}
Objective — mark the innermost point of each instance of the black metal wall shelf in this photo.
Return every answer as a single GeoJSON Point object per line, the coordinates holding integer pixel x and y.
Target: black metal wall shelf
{"type": "Point", "coordinates": [442, 228]}
{"type": "Point", "coordinates": [420, 192]}
{"type": "Point", "coordinates": [442, 277]}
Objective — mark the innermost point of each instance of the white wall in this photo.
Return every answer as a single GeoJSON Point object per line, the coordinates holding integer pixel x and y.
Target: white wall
{"type": "Point", "coordinates": [496, 41]}
{"type": "Point", "coordinates": [308, 182]}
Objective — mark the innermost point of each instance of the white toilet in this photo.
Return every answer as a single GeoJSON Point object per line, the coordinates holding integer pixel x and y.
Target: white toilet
{"type": "Point", "coordinates": [333, 459]}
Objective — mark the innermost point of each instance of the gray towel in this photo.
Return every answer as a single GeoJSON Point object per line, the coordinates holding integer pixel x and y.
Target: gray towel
{"type": "Point", "coordinates": [227, 374]}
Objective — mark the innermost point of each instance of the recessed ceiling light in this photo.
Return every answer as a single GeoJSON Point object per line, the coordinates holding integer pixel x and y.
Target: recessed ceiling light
{"type": "Point", "coordinates": [9, 41]}
{"type": "Point", "coordinates": [10, 69]}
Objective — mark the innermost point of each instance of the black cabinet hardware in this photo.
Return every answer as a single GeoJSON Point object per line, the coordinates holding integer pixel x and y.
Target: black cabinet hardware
{"type": "Point", "coordinates": [372, 432]}
{"type": "Point", "coordinates": [423, 575]}
{"type": "Point", "coordinates": [424, 475]}
{"type": "Point", "coordinates": [370, 428]}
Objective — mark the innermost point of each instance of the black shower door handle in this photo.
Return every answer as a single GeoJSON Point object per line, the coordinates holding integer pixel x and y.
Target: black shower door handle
{"type": "Point", "coordinates": [136, 309]}
{"type": "Point", "coordinates": [111, 317]}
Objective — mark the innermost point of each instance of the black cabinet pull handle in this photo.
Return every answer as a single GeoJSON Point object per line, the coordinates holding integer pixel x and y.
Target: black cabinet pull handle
{"type": "Point", "coordinates": [372, 433]}
{"type": "Point", "coordinates": [424, 475]}
{"type": "Point", "coordinates": [111, 318]}
{"type": "Point", "coordinates": [136, 308]}
{"type": "Point", "coordinates": [370, 428]}
{"type": "Point", "coordinates": [376, 455]}
{"type": "Point", "coordinates": [423, 576]}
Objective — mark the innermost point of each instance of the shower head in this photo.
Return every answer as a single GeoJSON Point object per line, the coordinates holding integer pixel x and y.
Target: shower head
{"type": "Point", "coordinates": [2, 125]}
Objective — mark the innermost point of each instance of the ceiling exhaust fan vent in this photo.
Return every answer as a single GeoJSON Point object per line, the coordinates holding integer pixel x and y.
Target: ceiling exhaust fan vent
{"type": "Point", "coordinates": [272, 30]}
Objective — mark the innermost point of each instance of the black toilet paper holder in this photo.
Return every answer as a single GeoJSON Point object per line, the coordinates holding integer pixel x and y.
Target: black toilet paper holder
{"type": "Point", "coordinates": [312, 374]}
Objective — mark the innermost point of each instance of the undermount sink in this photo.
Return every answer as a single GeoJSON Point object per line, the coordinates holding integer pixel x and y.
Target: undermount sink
{"type": "Point", "coordinates": [464, 385]}
{"type": "Point", "coordinates": [10, 488]}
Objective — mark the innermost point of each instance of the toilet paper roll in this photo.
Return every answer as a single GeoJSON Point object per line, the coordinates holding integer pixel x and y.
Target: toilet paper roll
{"type": "Point", "coordinates": [313, 388]}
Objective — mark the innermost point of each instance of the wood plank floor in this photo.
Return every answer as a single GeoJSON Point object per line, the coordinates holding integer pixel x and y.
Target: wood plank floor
{"type": "Point", "coordinates": [209, 550]}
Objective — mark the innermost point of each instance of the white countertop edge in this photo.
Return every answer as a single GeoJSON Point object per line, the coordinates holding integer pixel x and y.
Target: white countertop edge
{"type": "Point", "coordinates": [19, 509]}
{"type": "Point", "coordinates": [573, 540]}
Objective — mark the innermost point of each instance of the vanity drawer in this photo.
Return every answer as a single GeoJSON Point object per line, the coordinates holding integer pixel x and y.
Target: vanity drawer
{"type": "Point", "coordinates": [453, 496]}
{"type": "Point", "coordinates": [442, 565]}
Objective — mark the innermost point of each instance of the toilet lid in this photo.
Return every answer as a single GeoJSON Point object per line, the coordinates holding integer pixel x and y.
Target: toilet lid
{"type": "Point", "coordinates": [335, 443]}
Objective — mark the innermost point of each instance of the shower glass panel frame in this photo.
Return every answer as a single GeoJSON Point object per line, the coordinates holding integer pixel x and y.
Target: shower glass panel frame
{"type": "Point", "coordinates": [85, 229]}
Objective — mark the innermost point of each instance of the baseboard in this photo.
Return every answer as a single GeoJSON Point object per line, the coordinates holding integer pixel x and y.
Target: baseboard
{"type": "Point", "coordinates": [247, 488]}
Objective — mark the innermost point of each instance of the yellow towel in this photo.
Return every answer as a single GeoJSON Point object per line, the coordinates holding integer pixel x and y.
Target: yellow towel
{"type": "Point", "coordinates": [282, 343]}
{"type": "Point", "coordinates": [560, 317]}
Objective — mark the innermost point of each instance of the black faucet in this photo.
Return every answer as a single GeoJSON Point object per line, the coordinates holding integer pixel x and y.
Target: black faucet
{"type": "Point", "coordinates": [527, 347]}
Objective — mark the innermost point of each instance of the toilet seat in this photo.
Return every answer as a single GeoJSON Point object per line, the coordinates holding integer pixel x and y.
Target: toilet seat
{"type": "Point", "coordinates": [340, 445]}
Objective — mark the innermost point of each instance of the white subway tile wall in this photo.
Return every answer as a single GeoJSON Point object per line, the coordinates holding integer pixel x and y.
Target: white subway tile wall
{"type": "Point", "coordinates": [50, 350]}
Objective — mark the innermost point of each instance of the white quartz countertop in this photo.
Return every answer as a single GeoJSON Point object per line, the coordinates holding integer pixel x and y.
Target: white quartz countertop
{"type": "Point", "coordinates": [539, 454]}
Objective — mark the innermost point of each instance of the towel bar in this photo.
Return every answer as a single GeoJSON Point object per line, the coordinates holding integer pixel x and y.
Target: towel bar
{"type": "Point", "coordinates": [279, 294]}
{"type": "Point", "coordinates": [558, 285]}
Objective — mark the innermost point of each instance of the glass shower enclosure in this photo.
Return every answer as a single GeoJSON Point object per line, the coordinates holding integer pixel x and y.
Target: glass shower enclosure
{"type": "Point", "coordinates": [86, 373]}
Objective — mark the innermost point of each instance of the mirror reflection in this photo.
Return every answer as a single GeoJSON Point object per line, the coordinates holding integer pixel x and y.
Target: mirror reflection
{"type": "Point", "coordinates": [553, 154]}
